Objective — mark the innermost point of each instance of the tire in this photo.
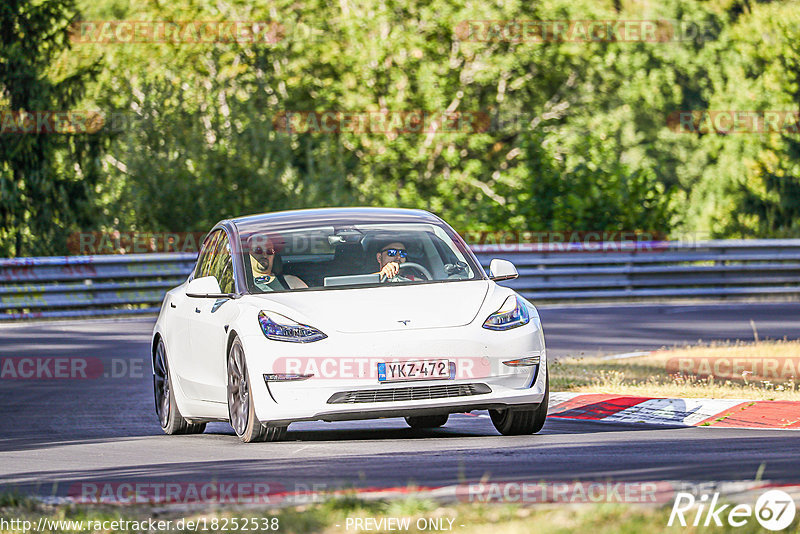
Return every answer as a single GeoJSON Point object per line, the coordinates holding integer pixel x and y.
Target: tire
{"type": "Point", "coordinates": [427, 421]}
{"type": "Point", "coordinates": [241, 410]}
{"type": "Point", "coordinates": [516, 422]}
{"type": "Point", "coordinates": [169, 416]}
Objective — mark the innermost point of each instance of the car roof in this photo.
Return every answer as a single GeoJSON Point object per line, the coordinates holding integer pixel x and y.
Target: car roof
{"type": "Point", "coordinates": [333, 217]}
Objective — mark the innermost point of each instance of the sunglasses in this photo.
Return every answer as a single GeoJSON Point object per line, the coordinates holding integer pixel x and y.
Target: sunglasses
{"type": "Point", "coordinates": [264, 251]}
{"type": "Point", "coordinates": [392, 252]}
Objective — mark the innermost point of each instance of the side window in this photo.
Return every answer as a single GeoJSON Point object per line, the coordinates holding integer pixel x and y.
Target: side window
{"type": "Point", "coordinates": [206, 254]}
{"type": "Point", "coordinates": [222, 264]}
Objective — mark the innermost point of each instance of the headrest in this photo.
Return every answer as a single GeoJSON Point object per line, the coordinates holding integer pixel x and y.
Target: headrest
{"type": "Point", "coordinates": [349, 254]}
{"type": "Point", "coordinates": [277, 264]}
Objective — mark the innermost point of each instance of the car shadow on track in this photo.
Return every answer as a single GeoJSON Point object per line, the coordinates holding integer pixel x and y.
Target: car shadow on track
{"type": "Point", "coordinates": [380, 429]}
{"type": "Point", "coordinates": [459, 426]}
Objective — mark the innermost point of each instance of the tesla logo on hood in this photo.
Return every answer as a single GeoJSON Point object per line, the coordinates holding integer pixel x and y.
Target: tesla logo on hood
{"type": "Point", "coordinates": [405, 322]}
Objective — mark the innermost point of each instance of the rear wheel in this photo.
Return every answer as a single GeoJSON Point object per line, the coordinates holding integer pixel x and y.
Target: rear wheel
{"type": "Point", "coordinates": [172, 422]}
{"type": "Point", "coordinates": [516, 422]}
{"type": "Point", "coordinates": [427, 421]}
{"type": "Point", "coordinates": [241, 409]}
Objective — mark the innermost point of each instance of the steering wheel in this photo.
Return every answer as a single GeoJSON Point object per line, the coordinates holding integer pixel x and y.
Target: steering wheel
{"type": "Point", "coordinates": [416, 266]}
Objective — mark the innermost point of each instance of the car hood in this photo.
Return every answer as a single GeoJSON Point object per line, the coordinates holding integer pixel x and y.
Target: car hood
{"type": "Point", "coordinates": [381, 309]}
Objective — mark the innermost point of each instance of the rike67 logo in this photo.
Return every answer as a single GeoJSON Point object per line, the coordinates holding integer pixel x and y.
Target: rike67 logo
{"type": "Point", "coordinates": [774, 510]}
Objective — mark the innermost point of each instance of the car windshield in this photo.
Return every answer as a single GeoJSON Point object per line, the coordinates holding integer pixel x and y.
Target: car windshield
{"type": "Point", "coordinates": [328, 257]}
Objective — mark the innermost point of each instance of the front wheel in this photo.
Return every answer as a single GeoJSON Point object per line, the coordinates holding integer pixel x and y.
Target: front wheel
{"type": "Point", "coordinates": [241, 409]}
{"type": "Point", "coordinates": [172, 422]}
{"type": "Point", "coordinates": [516, 422]}
{"type": "Point", "coordinates": [427, 421]}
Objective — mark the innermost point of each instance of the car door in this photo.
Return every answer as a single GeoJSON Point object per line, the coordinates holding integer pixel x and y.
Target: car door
{"type": "Point", "coordinates": [182, 309]}
{"type": "Point", "coordinates": [208, 330]}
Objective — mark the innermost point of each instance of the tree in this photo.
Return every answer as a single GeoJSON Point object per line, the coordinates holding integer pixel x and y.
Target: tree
{"type": "Point", "coordinates": [46, 179]}
{"type": "Point", "coordinates": [750, 184]}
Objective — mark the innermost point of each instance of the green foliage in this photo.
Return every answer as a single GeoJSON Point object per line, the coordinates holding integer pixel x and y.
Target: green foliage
{"type": "Point", "coordinates": [185, 152]}
{"type": "Point", "coordinates": [46, 180]}
{"type": "Point", "coordinates": [578, 139]}
{"type": "Point", "coordinates": [769, 194]}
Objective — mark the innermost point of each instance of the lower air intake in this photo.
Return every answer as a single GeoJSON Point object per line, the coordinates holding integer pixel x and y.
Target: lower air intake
{"type": "Point", "coordinates": [408, 394]}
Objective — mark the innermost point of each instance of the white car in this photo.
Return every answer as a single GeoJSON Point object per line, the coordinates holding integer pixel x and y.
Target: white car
{"type": "Point", "coordinates": [341, 314]}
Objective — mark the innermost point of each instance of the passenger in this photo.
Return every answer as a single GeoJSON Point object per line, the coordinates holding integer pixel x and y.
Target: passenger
{"type": "Point", "coordinates": [266, 265]}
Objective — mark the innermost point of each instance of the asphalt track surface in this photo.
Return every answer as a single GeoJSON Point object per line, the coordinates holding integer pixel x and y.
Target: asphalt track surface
{"type": "Point", "coordinates": [55, 433]}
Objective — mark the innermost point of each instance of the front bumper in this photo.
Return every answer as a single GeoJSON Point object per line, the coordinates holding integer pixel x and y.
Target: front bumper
{"type": "Point", "coordinates": [499, 398]}
{"type": "Point", "coordinates": [339, 370]}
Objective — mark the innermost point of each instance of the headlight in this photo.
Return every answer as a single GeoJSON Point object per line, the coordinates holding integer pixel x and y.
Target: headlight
{"type": "Point", "coordinates": [280, 328]}
{"type": "Point", "coordinates": [512, 313]}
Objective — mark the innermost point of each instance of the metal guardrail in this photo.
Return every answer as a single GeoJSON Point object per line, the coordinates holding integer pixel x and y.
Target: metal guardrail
{"type": "Point", "coordinates": [136, 283]}
{"type": "Point", "coordinates": [652, 270]}
{"type": "Point", "coordinates": [89, 285]}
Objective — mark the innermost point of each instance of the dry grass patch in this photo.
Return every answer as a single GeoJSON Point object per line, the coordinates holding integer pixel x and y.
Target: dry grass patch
{"type": "Point", "coordinates": [766, 370]}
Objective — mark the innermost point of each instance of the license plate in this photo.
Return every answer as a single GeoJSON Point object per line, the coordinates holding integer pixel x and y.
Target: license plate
{"type": "Point", "coordinates": [415, 370]}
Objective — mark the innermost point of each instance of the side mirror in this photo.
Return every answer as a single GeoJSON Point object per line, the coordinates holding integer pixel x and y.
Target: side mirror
{"type": "Point", "coordinates": [502, 270]}
{"type": "Point", "coordinates": [206, 287]}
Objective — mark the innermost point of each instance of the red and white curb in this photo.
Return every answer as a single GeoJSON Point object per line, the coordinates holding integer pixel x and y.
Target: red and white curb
{"type": "Point", "coordinates": [728, 413]}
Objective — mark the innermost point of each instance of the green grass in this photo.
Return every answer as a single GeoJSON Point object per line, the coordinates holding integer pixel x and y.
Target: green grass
{"type": "Point", "coordinates": [331, 516]}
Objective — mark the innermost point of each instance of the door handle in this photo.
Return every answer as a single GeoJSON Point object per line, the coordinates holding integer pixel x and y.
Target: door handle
{"type": "Point", "coordinates": [197, 310]}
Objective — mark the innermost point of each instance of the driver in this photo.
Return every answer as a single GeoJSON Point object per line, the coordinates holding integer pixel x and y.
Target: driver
{"type": "Point", "coordinates": [262, 261]}
{"type": "Point", "coordinates": [390, 257]}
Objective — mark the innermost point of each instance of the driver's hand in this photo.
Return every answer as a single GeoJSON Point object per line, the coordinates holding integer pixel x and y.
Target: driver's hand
{"type": "Point", "coordinates": [390, 270]}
